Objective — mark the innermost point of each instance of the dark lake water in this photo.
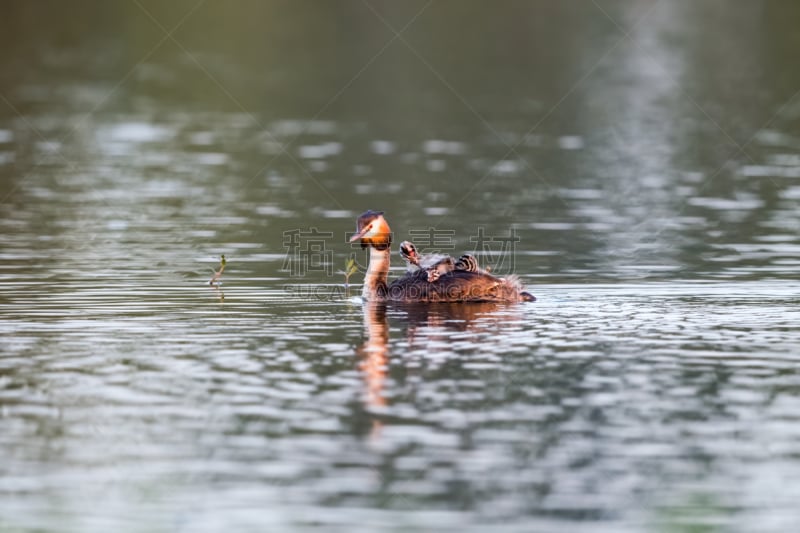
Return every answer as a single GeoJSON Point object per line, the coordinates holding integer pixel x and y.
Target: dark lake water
{"type": "Point", "coordinates": [637, 164]}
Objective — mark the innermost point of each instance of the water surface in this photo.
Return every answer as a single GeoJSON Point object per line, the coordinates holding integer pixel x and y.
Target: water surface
{"type": "Point", "coordinates": [648, 200]}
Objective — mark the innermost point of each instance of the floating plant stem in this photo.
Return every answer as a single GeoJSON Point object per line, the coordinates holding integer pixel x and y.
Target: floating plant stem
{"type": "Point", "coordinates": [218, 273]}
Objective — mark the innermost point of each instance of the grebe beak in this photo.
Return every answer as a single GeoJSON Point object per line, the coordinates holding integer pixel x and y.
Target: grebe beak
{"type": "Point", "coordinates": [361, 233]}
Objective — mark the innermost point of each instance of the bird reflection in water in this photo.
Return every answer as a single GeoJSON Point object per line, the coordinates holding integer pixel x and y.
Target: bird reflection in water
{"type": "Point", "coordinates": [424, 324]}
{"type": "Point", "coordinates": [374, 353]}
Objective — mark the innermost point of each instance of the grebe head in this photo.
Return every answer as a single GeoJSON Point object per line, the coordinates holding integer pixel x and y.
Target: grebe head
{"type": "Point", "coordinates": [372, 230]}
{"type": "Point", "coordinates": [409, 252]}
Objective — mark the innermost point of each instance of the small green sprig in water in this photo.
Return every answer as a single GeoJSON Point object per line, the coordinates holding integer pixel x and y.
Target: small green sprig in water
{"type": "Point", "coordinates": [350, 268]}
{"type": "Point", "coordinates": [218, 273]}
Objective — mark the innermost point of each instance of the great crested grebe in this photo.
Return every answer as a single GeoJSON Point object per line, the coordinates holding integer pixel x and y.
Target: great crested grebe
{"type": "Point", "coordinates": [435, 264]}
{"type": "Point", "coordinates": [373, 231]}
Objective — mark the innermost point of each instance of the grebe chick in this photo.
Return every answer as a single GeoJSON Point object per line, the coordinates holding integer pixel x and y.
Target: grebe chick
{"type": "Point", "coordinates": [409, 254]}
{"type": "Point", "coordinates": [454, 285]}
{"type": "Point", "coordinates": [436, 264]}
{"type": "Point", "coordinates": [433, 264]}
{"type": "Point", "coordinates": [468, 262]}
